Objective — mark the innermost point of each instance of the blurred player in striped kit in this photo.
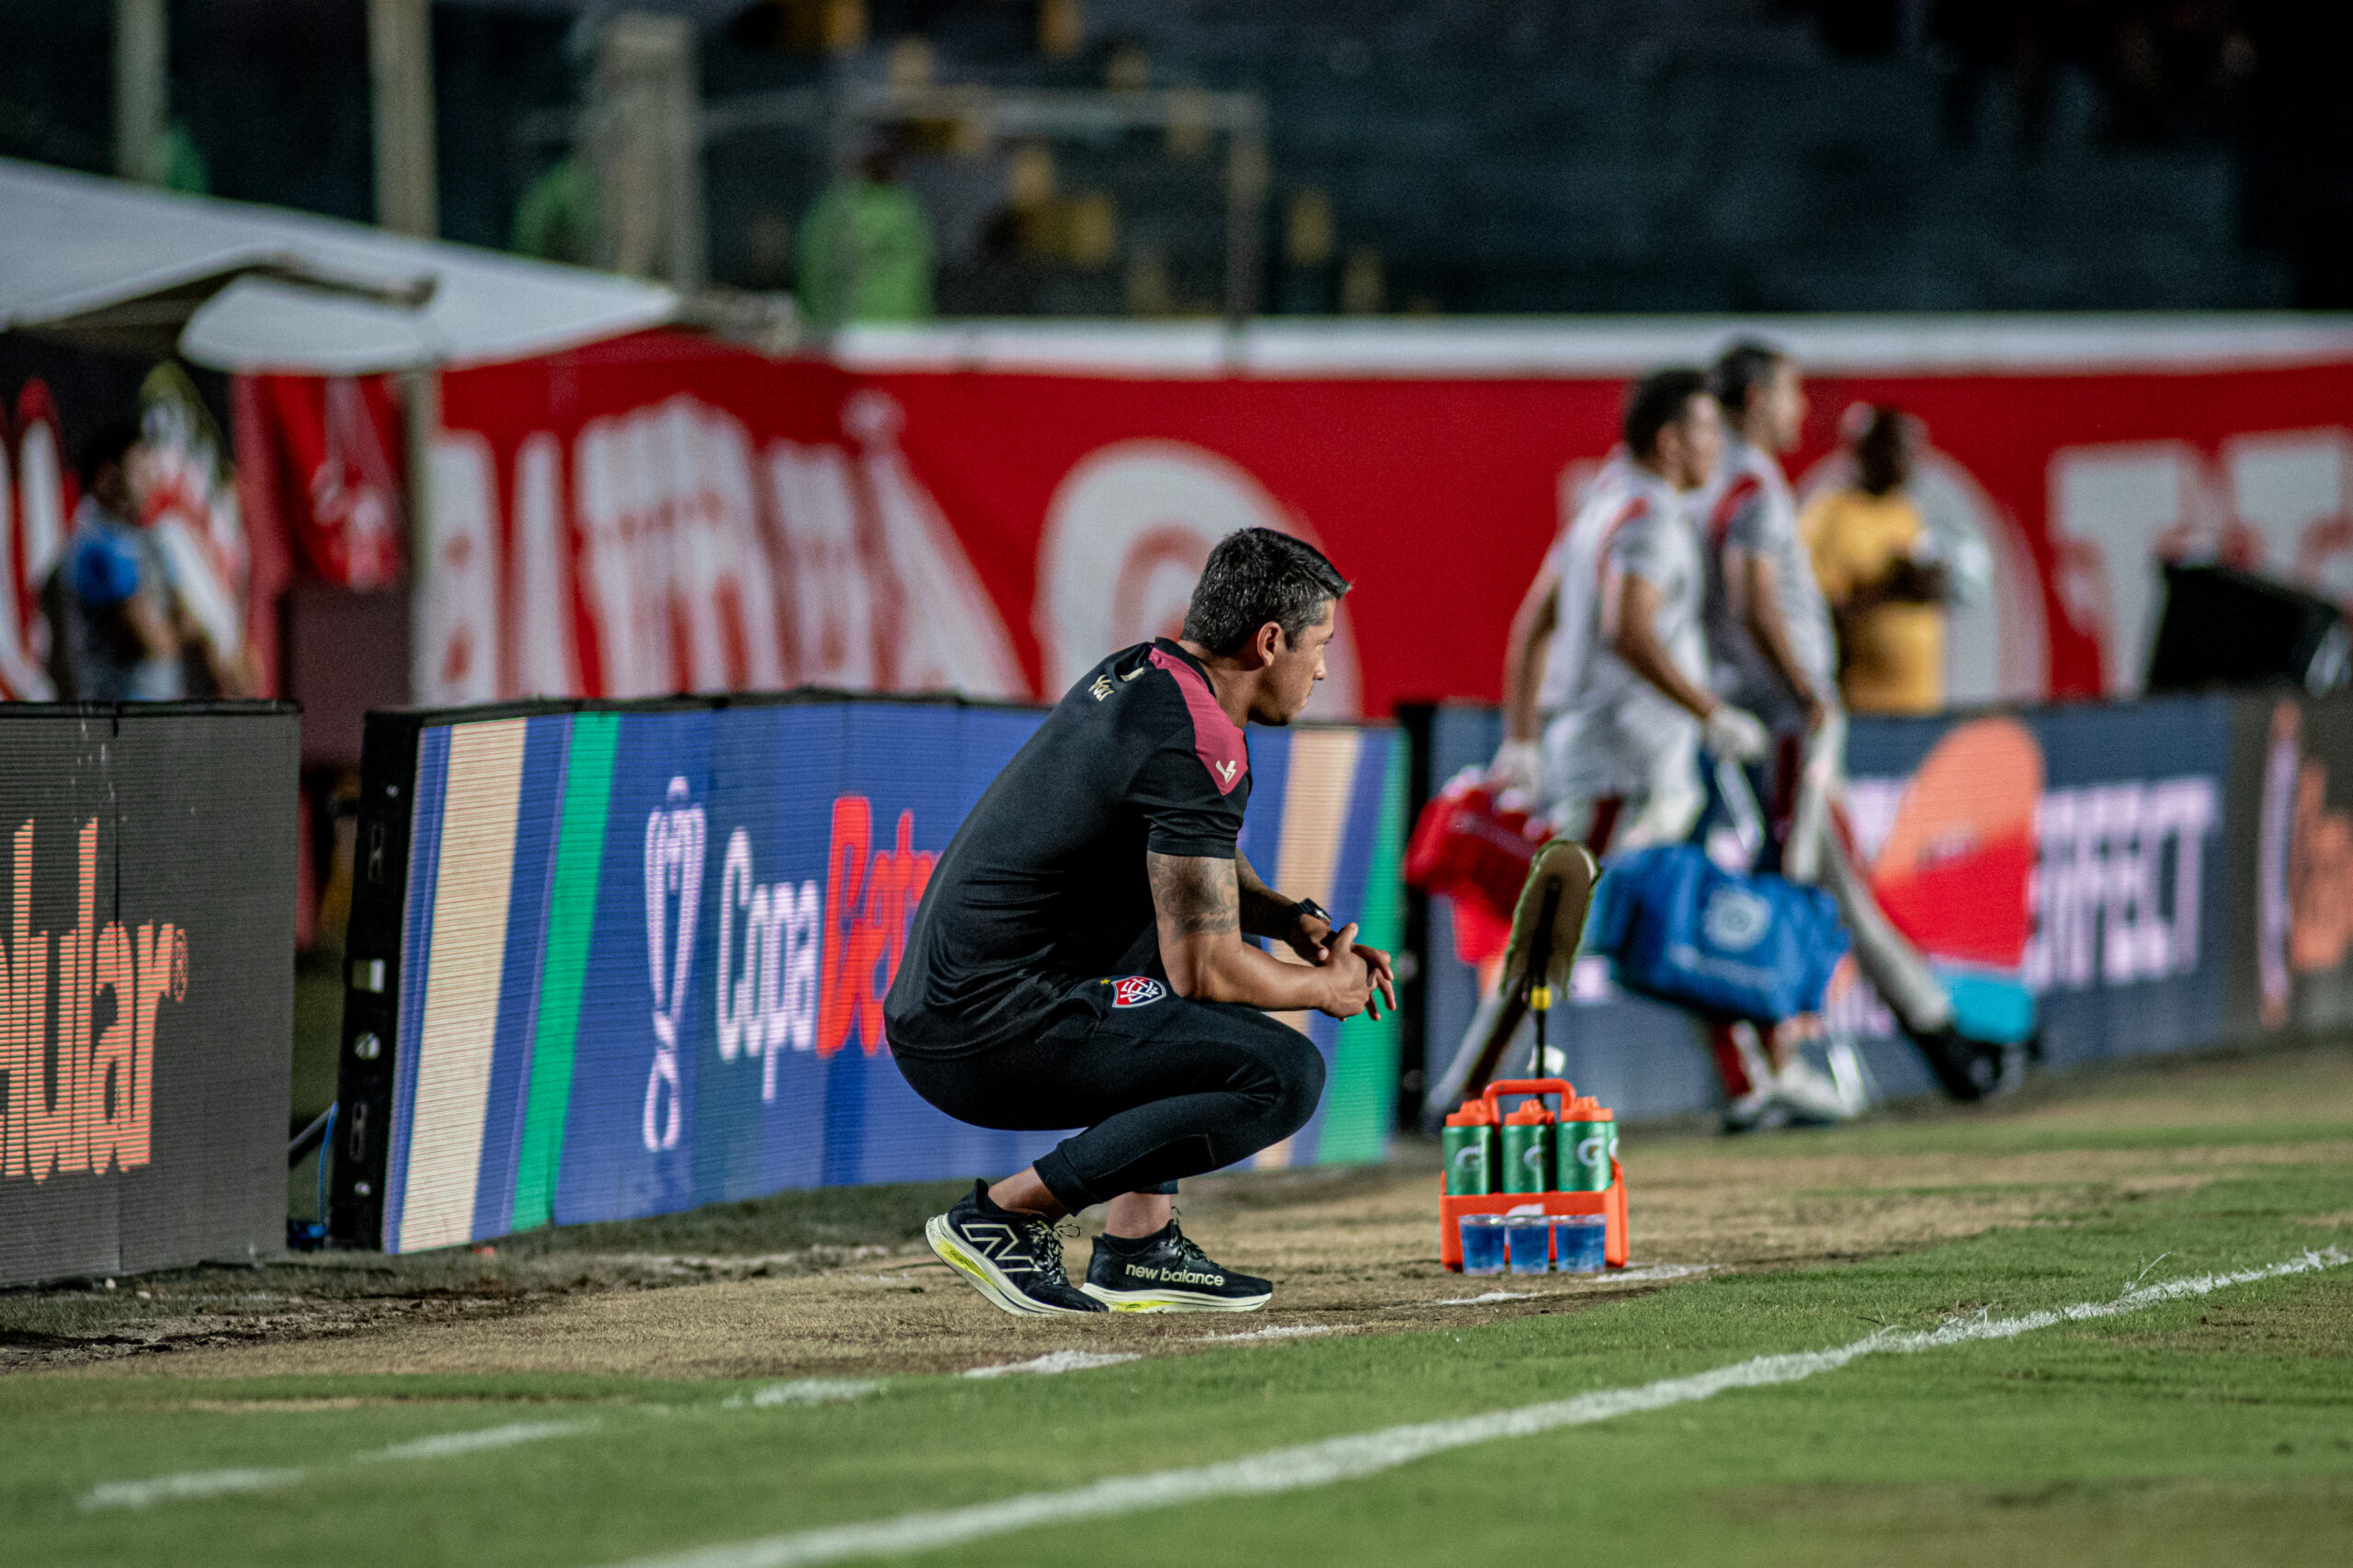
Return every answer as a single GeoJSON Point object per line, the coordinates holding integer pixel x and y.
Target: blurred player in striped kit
{"type": "Point", "coordinates": [1607, 737]}
{"type": "Point", "coordinates": [1624, 708]}
{"type": "Point", "coordinates": [1772, 651]}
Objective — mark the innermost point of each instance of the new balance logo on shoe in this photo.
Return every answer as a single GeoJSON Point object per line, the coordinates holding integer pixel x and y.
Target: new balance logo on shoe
{"type": "Point", "coordinates": [1167, 1273]}
{"type": "Point", "coordinates": [1175, 1275]}
{"type": "Point", "coordinates": [1014, 1260]}
{"type": "Point", "coordinates": [1001, 1245]}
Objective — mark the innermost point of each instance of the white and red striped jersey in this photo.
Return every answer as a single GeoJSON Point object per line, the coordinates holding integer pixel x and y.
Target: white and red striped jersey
{"type": "Point", "coordinates": [1608, 730]}
{"type": "Point", "coordinates": [1747, 510]}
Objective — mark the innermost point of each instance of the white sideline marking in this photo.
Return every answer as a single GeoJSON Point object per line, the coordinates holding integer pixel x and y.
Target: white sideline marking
{"type": "Point", "coordinates": [449, 1444]}
{"type": "Point", "coordinates": [190, 1485]}
{"type": "Point", "coordinates": [1368, 1453]}
{"type": "Point", "coordinates": [806, 1391]}
{"type": "Point", "coordinates": [1058, 1361]}
{"type": "Point", "coordinates": [1643, 1271]}
{"type": "Point", "coordinates": [1280, 1331]}
{"type": "Point", "coordinates": [198, 1484]}
{"type": "Point", "coordinates": [1637, 1275]}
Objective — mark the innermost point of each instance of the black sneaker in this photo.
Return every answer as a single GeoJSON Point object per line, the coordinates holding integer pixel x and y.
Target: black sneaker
{"type": "Point", "coordinates": [1969, 1069]}
{"type": "Point", "coordinates": [1167, 1273]}
{"type": "Point", "coordinates": [1015, 1260]}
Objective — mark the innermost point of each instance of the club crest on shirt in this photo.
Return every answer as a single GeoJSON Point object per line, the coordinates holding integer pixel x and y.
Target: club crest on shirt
{"type": "Point", "coordinates": [1136, 991]}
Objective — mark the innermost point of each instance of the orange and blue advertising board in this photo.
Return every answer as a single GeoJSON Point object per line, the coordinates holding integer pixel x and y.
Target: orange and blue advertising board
{"type": "Point", "coordinates": [2086, 868]}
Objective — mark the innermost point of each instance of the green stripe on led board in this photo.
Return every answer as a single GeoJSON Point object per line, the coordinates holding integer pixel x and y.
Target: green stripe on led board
{"type": "Point", "coordinates": [564, 965]}
{"type": "Point", "coordinates": [1362, 1096]}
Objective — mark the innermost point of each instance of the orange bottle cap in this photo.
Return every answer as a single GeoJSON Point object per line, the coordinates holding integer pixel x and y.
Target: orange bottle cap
{"type": "Point", "coordinates": [1529, 1113]}
{"type": "Point", "coordinates": [1474, 1113]}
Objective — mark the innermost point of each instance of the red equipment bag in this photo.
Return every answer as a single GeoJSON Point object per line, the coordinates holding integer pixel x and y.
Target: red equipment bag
{"type": "Point", "coordinates": [1472, 847]}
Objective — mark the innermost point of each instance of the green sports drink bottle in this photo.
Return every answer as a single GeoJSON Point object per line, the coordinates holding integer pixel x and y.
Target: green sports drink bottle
{"type": "Point", "coordinates": [1588, 1143]}
{"type": "Point", "coordinates": [1528, 1149]}
{"type": "Point", "coordinates": [1469, 1143]}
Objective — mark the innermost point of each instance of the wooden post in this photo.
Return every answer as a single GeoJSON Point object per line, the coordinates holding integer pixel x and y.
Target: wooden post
{"type": "Point", "coordinates": [646, 137]}
{"type": "Point", "coordinates": [1247, 177]}
{"type": "Point", "coordinates": [420, 424]}
{"type": "Point", "coordinates": [400, 66]}
{"type": "Point", "coordinates": [143, 87]}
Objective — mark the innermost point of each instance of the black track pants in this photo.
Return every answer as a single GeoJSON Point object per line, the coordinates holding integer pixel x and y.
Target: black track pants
{"type": "Point", "coordinates": [1165, 1088]}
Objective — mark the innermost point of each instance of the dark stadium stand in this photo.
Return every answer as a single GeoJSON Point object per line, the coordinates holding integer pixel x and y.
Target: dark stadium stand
{"type": "Point", "coordinates": [1473, 156]}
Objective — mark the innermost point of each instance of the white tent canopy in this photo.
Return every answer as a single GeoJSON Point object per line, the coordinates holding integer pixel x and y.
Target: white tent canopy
{"type": "Point", "coordinates": [247, 288]}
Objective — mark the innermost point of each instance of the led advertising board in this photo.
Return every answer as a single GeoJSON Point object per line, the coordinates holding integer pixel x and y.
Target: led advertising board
{"type": "Point", "coordinates": [610, 961]}
{"type": "Point", "coordinates": [2097, 857]}
{"type": "Point", "coordinates": [146, 983]}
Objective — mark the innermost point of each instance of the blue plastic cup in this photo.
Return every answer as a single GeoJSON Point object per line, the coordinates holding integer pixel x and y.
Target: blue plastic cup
{"type": "Point", "coordinates": [1483, 1243]}
{"type": "Point", "coordinates": [1528, 1242]}
{"type": "Point", "coordinates": [1578, 1240]}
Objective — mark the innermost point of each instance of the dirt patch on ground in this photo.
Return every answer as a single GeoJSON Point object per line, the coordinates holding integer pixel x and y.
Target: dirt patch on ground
{"type": "Point", "coordinates": [339, 1294]}
{"type": "Point", "coordinates": [1352, 1251]}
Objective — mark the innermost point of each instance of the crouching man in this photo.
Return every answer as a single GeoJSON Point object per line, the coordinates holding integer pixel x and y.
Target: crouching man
{"type": "Point", "coordinates": [1080, 956]}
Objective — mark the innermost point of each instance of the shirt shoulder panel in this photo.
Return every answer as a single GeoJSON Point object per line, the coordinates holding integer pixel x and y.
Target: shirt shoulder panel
{"type": "Point", "coordinates": [1216, 740]}
{"type": "Point", "coordinates": [1644, 541]}
{"type": "Point", "coordinates": [1624, 513]}
{"type": "Point", "coordinates": [1741, 498]}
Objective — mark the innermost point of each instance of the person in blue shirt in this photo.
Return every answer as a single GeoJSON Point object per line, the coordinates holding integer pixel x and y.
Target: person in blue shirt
{"type": "Point", "coordinates": [119, 641]}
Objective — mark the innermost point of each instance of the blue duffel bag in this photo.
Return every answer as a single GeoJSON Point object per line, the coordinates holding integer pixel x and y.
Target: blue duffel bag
{"type": "Point", "coordinates": [1679, 928]}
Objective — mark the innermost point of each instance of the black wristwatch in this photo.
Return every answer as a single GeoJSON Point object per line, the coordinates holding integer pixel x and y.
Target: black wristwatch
{"type": "Point", "coordinates": [1308, 906]}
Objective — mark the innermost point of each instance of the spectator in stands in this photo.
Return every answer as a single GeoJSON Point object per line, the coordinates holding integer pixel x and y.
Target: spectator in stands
{"type": "Point", "coordinates": [866, 247]}
{"type": "Point", "coordinates": [2178, 71]}
{"type": "Point", "coordinates": [1878, 567]}
{"type": "Point", "coordinates": [556, 218]}
{"type": "Point", "coordinates": [120, 642]}
{"type": "Point", "coordinates": [2165, 69]}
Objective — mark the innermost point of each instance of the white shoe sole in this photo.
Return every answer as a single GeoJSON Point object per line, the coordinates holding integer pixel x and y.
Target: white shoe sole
{"type": "Point", "coordinates": [986, 1276]}
{"type": "Point", "coordinates": [1173, 1300]}
{"type": "Point", "coordinates": [1809, 1108]}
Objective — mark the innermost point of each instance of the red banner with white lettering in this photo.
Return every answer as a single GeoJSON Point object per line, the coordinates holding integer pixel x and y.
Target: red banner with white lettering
{"type": "Point", "coordinates": [662, 512]}
{"type": "Point", "coordinates": [331, 471]}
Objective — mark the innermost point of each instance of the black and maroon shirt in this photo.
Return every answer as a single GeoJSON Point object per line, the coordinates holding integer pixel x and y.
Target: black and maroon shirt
{"type": "Point", "coordinates": [1044, 883]}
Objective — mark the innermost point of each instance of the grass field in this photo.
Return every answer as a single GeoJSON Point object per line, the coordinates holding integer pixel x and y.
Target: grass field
{"type": "Point", "coordinates": [738, 1380]}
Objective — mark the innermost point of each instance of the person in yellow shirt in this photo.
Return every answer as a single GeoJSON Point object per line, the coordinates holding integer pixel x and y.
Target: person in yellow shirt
{"type": "Point", "coordinates": [1876, 561]}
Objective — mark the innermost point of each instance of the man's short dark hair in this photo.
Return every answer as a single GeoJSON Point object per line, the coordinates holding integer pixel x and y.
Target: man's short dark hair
{"type": "Point", "coordinates": [1657, 401]}
{"type": "Point", "coordinates": [1255, 575]}
{"type": "Point", "coordinates": [1743, 370]}
{"type": "Point", "coordinates": [1885, 438]}
{"type": "Point", "coordinates": [105, 446]}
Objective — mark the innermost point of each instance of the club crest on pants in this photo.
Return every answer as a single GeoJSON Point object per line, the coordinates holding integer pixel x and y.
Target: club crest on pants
{"type": "Point", "coordinates": [1136, 991]}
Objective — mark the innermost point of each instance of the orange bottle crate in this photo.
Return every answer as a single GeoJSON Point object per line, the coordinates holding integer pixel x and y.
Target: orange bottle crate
{"type": "Point", "coordinates": [1609, 1202]}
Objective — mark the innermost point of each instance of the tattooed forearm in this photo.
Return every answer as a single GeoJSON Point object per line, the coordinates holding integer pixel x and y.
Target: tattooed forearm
{"type": "Point", "coordinates": [1201, 905]}
{"type": "Point", "coordinates": [1265, 912]}
{"type": "Point", "coordinates": [1194, 896]}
